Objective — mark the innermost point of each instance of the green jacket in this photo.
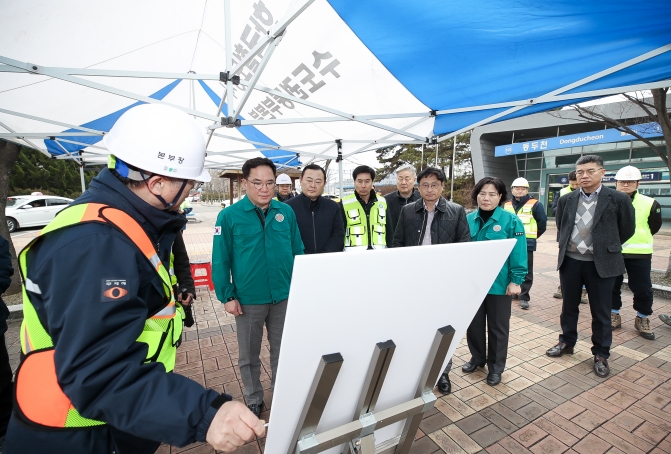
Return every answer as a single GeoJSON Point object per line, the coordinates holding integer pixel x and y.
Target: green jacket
{"type": "Point", "coordinates": [253, 262]}
{"type": "Point", "coordinates": [500, 226]}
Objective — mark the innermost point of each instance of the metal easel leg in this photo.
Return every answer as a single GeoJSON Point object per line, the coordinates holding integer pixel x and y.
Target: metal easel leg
{"type": "Point", "coordinates": [370, 391]}
{"type": "Point", "coordinates": [432, 369]}
{"type": "Point", "coordinates": [315, 403]}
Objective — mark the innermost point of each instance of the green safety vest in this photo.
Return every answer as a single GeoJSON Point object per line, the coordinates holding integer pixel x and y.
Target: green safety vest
{"type": "Point", "coordinates": [356, 232]}
{"type": "Point", "coordinates": [641, 242]}
{"type": "Point", "coordinates": [565, 191]}
{"type": "Point", "coordinates": [38, 395]}
{"type": "Point", "coordinates": [526, 216]}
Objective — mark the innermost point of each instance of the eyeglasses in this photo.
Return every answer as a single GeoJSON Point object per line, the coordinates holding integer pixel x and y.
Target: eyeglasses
{"type": "Point", "coordinates": [589, 172]}
{"type": "Point", "coordinates": [260, 184]}
{"type": "Point", "coordinates": [626, 183]}
{"type": "Point", "coordinates": [427, 186]}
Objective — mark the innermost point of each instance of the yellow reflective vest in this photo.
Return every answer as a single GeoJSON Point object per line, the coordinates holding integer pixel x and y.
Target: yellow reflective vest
{"type": "Point", "coordinates": [566, 190]}
{"type": "Point", "coordinates": [39, 398]}
{"type": "Point", "coordinates": [358, 227]}
{"type": "Point", "coordinates": [526, 215]}
{"type": "Point", "coordinates": [641, 242]}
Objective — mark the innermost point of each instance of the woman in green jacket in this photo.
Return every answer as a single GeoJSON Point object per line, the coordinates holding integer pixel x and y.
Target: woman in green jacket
{"type": "Point", "coordinates": [491, 222]}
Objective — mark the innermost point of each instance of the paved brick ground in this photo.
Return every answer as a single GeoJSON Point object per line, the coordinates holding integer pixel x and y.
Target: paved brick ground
{"type": "Point", "coordinates": [543, 405]}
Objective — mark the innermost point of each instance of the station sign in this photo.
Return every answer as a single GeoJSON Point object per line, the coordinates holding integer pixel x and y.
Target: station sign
{"type": "Point", "coordinates": [647, 130]}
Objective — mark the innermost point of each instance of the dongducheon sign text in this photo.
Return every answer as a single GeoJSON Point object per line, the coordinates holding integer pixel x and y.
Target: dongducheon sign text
{"type": "Point", "coordinates": [647, 130]}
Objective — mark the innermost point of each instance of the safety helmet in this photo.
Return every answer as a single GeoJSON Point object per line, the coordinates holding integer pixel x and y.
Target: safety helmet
{"type": "Point", "coordinates": [520, 182]}
{"type": "Point", "coordinates": [283, 178]}
{"type": "Point", "coordinates": [161, 140]}
{"type": "Point", "coordinates": [628, 173]}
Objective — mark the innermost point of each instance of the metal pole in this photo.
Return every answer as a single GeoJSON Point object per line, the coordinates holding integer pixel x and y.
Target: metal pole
{"type": "Point", "coordinates": [422, 166]}
{"type": "Point", "coordinates": [432, 370]}
{"type": "Point", "coordinates": [339, 142]}
{"type": "Point", "coordinates": [318, 395]}
{"type": "Point", "coordinates": [436, 153]}
{"type": "Point", "coordinates": [192, 98]}
{"type": "Point", "coordinates": [454, 153]}
{"type": "Point", "coordinates": [81, 174]}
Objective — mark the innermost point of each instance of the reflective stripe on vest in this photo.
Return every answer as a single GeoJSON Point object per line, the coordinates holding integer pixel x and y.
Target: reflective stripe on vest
{"type": "Point", "coordinates": [526, 215]}
{"type": "Point", "coordinates": [171, 271]}
{"type": "Point", "coordinates": [356, 232]}
{"type": "Point", "coordinates": [40, 399]}
{"type": "Point", "coordinates": [641, 242]}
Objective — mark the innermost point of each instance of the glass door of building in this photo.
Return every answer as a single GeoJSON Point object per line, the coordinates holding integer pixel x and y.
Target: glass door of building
{"type": "Point", "coordinates": [555, 182]}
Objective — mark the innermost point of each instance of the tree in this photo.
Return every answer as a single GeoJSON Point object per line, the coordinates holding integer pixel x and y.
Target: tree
{"type": "Point", "coordinates": [9, 153]}
{"type": "Point", "coordinates": [655, 111]}
{"type": "Point", "coordinates": [394, 157]}
{"type": "Point", "coordinates": [35, 172]}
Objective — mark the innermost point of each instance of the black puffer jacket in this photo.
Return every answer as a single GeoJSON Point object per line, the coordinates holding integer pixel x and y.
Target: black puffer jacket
{"type": "Point", "coordinates": [449, 224]}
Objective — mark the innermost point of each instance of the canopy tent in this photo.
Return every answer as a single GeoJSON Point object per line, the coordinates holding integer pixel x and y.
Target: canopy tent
{"type": "Point", "coordinates": [318, 79]}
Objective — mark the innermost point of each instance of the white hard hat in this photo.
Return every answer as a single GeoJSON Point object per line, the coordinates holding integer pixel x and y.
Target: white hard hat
{"type": "Point", "coordinates": [520, 182]}
{"type": "Point", "coordinates": [161, 140]}
{"type": "Point", "coordinates": [283, 178]}
{"type": "Point", "coordinates": [628, 173]}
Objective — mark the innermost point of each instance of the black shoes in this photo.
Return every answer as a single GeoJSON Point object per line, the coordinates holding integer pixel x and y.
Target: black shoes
{"type": "Point", "coordinates": [256, 409]}
{"type": "Point", "coordinates": [444, 384]}
{"type": "Point", "coordinates": [559, 349]}
{"type": "Point", "coordinates": [524, 304]}
{"type": "Point", "coordinates": [469, 367]}
{"type": "Point", "coordinates": [601, 366]}
{"type": "Point", "coordinates": [493, 379]}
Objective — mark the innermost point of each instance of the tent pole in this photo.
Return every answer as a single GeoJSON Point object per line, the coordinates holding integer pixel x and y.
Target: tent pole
{"type": "Point", "coordinates": [192, 98]}
{"type": "Point", "coordinates": [81, 175]}
{"type": "Point", "coordinates": [436, 153]}
{"type": "Point", "coordinates": [229, 56]}
{"type": "Point", "coordinates": [454, 153]}
{"type": "Point", "coordinates": [422, 166]}
{"type": "Point", "coordinates": [339, 142]}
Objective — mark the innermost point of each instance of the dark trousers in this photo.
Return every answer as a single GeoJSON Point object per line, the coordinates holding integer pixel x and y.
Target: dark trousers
{"type": "Point", "coordinates": [528, 279]}
{"type": "Point", "coordinates": [573, 274]}
{"type": "Point", "coordinates": [6, 387]}
{"type": "Point", "coordinates": [638, 272]}
{"type": "Point", "coordinates": [495, 313]}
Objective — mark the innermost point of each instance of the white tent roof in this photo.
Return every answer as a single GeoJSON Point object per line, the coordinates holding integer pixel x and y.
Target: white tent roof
{"type": "Point", "coordinates": [325, 74]}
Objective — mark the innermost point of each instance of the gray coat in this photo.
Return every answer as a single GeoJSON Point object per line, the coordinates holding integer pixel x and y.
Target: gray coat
{"type": "Point", "coordinates": [614, 223]}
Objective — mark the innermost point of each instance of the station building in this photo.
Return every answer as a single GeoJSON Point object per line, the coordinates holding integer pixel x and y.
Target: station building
{"type": "Point", "coordinates": [544, 147]}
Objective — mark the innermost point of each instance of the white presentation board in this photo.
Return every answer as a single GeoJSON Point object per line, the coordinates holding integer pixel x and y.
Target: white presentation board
{"type": "Point", "coordinates": [347, 302]}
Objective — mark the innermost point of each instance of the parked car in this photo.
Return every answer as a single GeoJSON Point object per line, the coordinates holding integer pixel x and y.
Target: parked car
{"type": "Point", "coordinates": [33, 211]}
{"type": "Point", "coordinates": [335, 198]}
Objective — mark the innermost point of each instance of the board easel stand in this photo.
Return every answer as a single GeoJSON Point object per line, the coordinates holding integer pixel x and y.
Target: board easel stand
{"type": "Point", "coordinates": [358, 435]}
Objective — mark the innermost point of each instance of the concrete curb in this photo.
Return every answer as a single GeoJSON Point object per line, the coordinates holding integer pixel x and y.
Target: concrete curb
{"type": "Point", "coordinates": [15, 312]}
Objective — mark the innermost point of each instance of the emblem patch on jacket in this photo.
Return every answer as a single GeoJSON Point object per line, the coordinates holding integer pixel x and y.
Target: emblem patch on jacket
{"type": "Point", "coordinates": [217, 230]}
{"type": "Point", "coordinates": [114, 290]}
{"type": "Point", "coordinates": [279, 217]}
{"type": "Point", "coordinates": [496, 228]}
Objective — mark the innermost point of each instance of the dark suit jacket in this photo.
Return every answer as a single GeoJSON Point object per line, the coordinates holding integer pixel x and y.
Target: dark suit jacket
{"type": "Point", "coordinates": [614, 223]}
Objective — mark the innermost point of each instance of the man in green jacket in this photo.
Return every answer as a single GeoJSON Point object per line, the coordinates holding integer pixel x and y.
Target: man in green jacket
{"type": "Point", "coordinates": [255, 242]}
